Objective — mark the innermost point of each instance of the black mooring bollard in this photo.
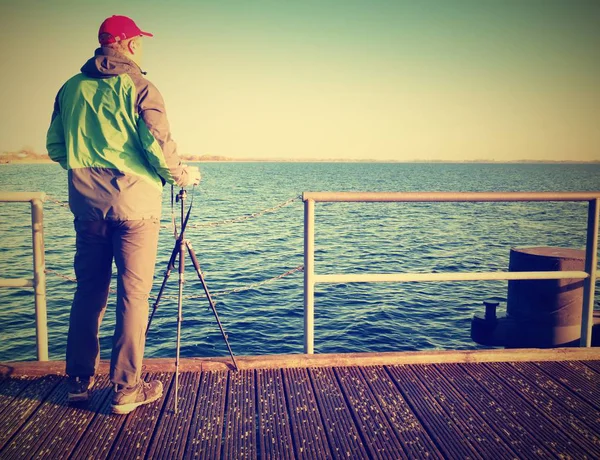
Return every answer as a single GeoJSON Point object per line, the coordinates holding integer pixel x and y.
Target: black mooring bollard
{"type": "Point", "coordinates": [490, 309]}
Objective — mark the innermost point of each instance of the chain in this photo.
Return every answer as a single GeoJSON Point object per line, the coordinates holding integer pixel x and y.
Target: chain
{"type": "Point", "coordinates": [245, 287]}
{"type": "Point", "coordinates": [222, 292]}
{"type": "Point", "coordinates": [212, 224]}
{"type": "Point", "coordinates": [58, 202]}
{"type": "Point", "coordinates": [243, 218]}
{"type": "Point", "coordinates": [60, 275]}
{"type": "Point", "coordinates": [208, 224]}
{"type": "Point", "coordinates": [70, 278]}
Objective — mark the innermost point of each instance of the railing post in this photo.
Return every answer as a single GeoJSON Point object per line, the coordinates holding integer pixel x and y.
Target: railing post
{"type": "Point", "coordinates": [39, 278]}
{"type": "Point", "coordinates": [589, 284]}
{"type": "Point", "coordinates": [309, 272]}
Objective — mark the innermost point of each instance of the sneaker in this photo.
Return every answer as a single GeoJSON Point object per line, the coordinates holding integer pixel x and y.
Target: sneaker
{"type": "Point", "coordinates": [127, 399]}
{"type": "Point", "coordinates": [79, 388]}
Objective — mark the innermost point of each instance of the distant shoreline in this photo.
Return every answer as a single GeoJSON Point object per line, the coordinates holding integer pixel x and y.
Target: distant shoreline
{"type": "Point", "coordinates": [44, 159]}
{"type": "Point", "coordinates": [458, 162]}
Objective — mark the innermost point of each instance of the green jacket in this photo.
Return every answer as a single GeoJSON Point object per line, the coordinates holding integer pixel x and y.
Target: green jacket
{"type": "Point", "coordinates": [109, 129]}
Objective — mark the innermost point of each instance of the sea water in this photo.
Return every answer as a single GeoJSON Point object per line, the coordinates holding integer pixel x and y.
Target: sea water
{"type": "Point", "coordinates": [350, 238]}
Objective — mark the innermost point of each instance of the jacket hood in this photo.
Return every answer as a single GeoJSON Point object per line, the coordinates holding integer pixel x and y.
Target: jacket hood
{"type": "Point", "coordinates": [107, 63]}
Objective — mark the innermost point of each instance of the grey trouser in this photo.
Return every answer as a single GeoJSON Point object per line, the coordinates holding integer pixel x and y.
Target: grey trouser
{"type": "Point", "coordinates": [133, 246]}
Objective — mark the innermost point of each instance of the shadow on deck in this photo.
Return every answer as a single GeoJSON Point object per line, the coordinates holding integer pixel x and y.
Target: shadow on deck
{"type": "Point", "coordinates": [511, 406]}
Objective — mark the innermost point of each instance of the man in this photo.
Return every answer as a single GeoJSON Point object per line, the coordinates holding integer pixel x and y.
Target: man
{"type": "Point", "coordinates": [110, 131]}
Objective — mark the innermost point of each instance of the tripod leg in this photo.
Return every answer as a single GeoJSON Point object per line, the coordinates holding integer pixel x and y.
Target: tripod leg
{"type": "Point", "coordinates": [210, 300]}
{"type": "Point", "coordinates": [170, 267]}
{"type": "Point", "coordinates": [179, 317]}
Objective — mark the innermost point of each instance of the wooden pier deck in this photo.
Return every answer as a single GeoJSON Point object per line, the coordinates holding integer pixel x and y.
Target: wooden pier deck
{"type": "Point", "coordinates": [489, 405]}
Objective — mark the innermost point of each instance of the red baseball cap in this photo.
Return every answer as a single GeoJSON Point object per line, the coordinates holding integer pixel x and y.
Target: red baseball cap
{"type": "Point", "coordinates": [117, 28]}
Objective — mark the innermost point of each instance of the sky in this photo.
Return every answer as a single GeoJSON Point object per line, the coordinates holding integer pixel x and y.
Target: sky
{"type": "Point", "coordinates": [429, 80]}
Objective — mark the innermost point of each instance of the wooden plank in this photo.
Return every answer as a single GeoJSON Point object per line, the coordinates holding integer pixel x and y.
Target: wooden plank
{"type": "Point", "coordinates": [594, 365]}
{"type": "Point", "coordinates": [32, 435]}
{"type": "Point", "coordinates": [377, 434]}
{"type": "Point", "coordinates": [503, 421]}
{"type": "Point", "coordinates": [442, 429]}
{"type": "Point", "coordinates": [10, 388]}
{"type": "Point", "coordinates": [135, 436]}
{"type": "Point", "coordinates": [559, 413]}
{"type": "Point", "coordinates": [206, 431]}
{"type": "Point", "coordinates": [71, 421]}
{"type": "Point", "coordinates": [581, 370]}
{"type": "Point", "coordinates": [171, 431]}
{"type": "Point", "coordinates": [578, 378]}
{"type": "Point", "coordinates": [310, 441]}
{"type": "Point", "coordinates": [414, 438]}
{"type": "Point", "coordinates": [474, 427]}
{"type": "Point", "coordinates": [19, 411]}
{"type": "Point", "coordinates": [324, 360]}
{"type": "Point", "coordinates": [101, 433]}
{"type": "Point", "coordinates": [240, 427]}
{"type": "Point", "coordinates": [532, 411]}
{"type": "Point", "coordinates": [528, 416]}
{"type": "Point", "coordinates": [342, 433]}
{"type": "Point", "coordinates": [275, 438]}
{"type": "Point", "coordinates": [562, 395]}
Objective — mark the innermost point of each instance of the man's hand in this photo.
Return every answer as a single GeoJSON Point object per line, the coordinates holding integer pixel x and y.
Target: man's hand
{"type": "Point", "coordinates": [194, 175]}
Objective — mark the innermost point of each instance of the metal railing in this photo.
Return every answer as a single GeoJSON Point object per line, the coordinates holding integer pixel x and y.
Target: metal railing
{"type": "Point", "coordinates": [38, 282]}
{"type": "Point", "coordinates": [311, 278]}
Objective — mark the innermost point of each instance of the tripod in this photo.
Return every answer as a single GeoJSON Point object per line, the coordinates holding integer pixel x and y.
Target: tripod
{"type": "Point", "coordinates": [179, 250]}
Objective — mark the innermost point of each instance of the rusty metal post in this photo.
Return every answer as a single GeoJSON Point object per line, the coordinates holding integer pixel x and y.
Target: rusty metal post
{"type": "Point", "coordinates": [589, 284]}
{"type": "Point", "coordinates": [309, 274]}
{"type": "Point", "coordinates": [39, 278]}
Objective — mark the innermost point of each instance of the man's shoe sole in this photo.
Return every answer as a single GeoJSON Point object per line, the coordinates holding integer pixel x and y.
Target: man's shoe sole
{"type": "Point", "coordinates": [81, 397]}
{"type": "Point", "coordinates": [78, 397]}
{"type": "Point", "coordinates": [123, 409]}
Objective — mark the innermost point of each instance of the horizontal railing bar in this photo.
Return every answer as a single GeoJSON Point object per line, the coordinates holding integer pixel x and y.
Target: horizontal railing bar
{"type": "Point", "coordinates": [6, 197]}
{"type": "Point", "coordinates": [16, 282]}
{"type": "Point", "coordinates": [447, 196]}
{"type": "Point", "coordinates": [465, 276]}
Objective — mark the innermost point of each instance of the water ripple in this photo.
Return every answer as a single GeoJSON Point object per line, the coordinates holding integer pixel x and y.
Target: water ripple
{"type": "Point", "coordinates": [350, 238]}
